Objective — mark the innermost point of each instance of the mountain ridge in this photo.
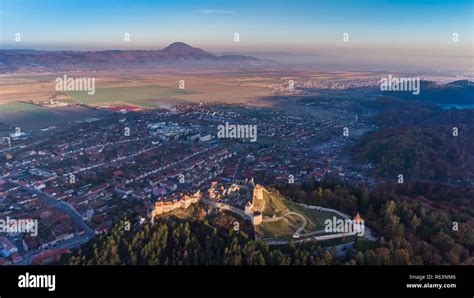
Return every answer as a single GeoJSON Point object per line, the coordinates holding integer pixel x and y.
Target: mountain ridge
{"type": "Point", "coordinates": [175, 53]}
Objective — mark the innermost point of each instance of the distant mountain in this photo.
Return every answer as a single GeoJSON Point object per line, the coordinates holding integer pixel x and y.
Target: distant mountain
{"type": "Point", "coordinates": [181, 50]}
{"type": "Point", "coordinates": [177, 53]}
{"type": "Point", "coordinates": [462, 83]}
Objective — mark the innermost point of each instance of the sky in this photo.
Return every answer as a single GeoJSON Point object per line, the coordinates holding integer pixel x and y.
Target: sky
{"type": "Point", "coordinates": [378, 31]}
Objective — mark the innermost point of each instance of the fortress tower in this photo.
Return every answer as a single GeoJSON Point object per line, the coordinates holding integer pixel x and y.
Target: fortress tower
{"type": "Point", "coordinates": [257, 193]}
{"type": "Point", "coordinates": [255, 206]}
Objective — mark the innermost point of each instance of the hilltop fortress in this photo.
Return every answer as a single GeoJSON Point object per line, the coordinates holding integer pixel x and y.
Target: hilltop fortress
{"type": "Point", "coordinates": [242, 197]}
{"type": "Point", "coordinates": [181, 202]}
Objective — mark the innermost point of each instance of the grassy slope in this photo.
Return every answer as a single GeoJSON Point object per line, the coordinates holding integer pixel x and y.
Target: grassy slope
{"type": "Point", "coordinates": [278, 205]}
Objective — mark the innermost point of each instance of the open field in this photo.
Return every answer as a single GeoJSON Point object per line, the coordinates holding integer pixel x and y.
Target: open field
{"type": "Point", "coordinates": [199, 87]}
{"type": "Point", "coordinates": [128, 94]}
{"type": "Point", "coordinates": [18, 107]}
{"type": "Point", "coordinates": [202, 85]}
{"type": "Point", "coordinates": [160, 89]}
{"type": "Point", "coordinates": [32, 117]}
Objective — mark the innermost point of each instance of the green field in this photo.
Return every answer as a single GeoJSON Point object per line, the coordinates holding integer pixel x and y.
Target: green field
{"type": "Point", "coordinates": [18, 107]}
{"type": "Point", "coordinates": [31, 117]}
{"type": "Point", "coordinates": [151, 103]}
{"type": "Point", "coordinates": [25, 115]}
{"type": "Point", "coordinates": [135, 95]}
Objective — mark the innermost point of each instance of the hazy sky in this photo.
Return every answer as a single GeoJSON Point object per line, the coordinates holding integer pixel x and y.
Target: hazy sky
{"type": "Point", "coordinates": [391, 31]}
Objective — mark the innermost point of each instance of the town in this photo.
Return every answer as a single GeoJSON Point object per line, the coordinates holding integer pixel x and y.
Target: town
{"type": "Point", "coordinates": [78, 180]}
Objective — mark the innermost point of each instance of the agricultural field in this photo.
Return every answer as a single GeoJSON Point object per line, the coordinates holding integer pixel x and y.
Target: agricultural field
{"type": "Point", "coordinates": [18, 107]}
{"type": "Point", "coordinates": [130, 94]}
{"type": "Point", "coordinates": [201, 85]}
{"type": "Point", "coordinates": [160, 89]}
{"type": "Point", "coordinates": [30, 116]}
{"type": "Point", "coordinates": [146, 87]}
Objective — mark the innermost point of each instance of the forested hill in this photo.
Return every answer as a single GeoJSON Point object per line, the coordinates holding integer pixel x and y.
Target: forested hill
{"type": "Point", "coordinates": [419, 142]}
{"type": "Point", "coordinates": [414, 221]}
{"type": "Point", "coordinates": [457, 92]}
{"type": "Point", "coordinates": [174, 241]}
{"type": "Point", "coordinates": [427, 153]}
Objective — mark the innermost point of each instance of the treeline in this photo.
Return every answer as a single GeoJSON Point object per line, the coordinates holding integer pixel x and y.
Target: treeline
{"type": "Point", "coordinates": [174, 241]}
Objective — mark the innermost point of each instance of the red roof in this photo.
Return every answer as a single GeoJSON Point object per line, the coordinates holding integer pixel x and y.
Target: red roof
{"type": "Point", "coordinates": [118, 173]}
{"type": "Point", "coordinates": [103, 227]}
{"type": "Point", "coordinates": [357, 217]}
{"type": "Point", "coordinates": [187, 198]}
{"type": "Point", "coordinates": [49, 254]}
